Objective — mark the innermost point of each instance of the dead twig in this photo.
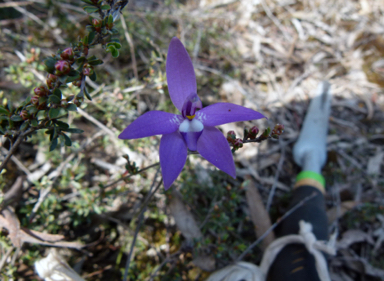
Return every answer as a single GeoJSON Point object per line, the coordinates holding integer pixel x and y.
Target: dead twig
{"type": "Point", "coordinates": [17, 162]}
{"type": "Point", "coordinates": [275, 20]}
{"type": "Point", "coordinates": [18, 141]}
{"type": "Point", "coordinates": [5, 257]}
{"type": "Point", "coordinates": [131, 46]}
{"type": "Point", "coordinates": [30, 15]}
{"type": "Point", "coordinates": [127, 177]}
{"type": "Point", "coordinates": [15, 4]}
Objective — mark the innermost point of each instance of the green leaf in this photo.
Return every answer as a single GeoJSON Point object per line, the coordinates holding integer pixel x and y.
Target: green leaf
{"type": "Point", "coordinates": [115, 53]}
{"type": "Point", "coordinates": [106, 7]}
{"type": "Point", "coordinates": [80, 94]}
{"type": "Point", "coordinates": [113, 50]}
{"type": "Point", "coordinates": [34, 123]}
{"type": "Point", "coordinates": [31, 109]}
{"type": "Point", "coordinates": [63, 79]}
{"type": "Point", "coordinates": [117, 45]}
{"type": "Point", "coordinates": [53, 144]}
{"type": "Point", "coordinates": [71, 107]}
{"type": "Point", "coordinates": [53, 113]}
{"type": "Point", "coordinates": [88, 2]}
{"type": "Point", "coordinates": [85, 40]}
{"type": "Point", "coordinates": [16, 118]}
{"type": "Point", "coordinates": [62, 125]}
{"type": "Point", "coordinates": [114, 31]}
{"type": "Point", "coordinates": [3, 111]}
{"type": "Point", "coordinates": [61, 137]}
{"type": "Point", "coordinates": [54, 99]}
{"type": "Point", "coordinates": [42, 100]}
{"type": "Point", "coordinates": [87, 94]}
{"type": "Point", "coordinates": [73, 130]}
{"type": "Point", "coordinates": [89, 28]}
{"type": "Point", "coordinates": [56, 92]}
{"type": "Point", "coordinates": [90, 9]}
{"type": "Point", "coordinates": [80, 60]}
{"type": "Point", "coordinates": [110, 19]}
{"type": "Point", "coordinates": [73, 78]}
{"type": "Point", "coordinates": [73, 73]}
{"type": "Point", "coordinates": [93, 76]}
{"type": "Point", "coordinates": [95, 62]}
{"type": "Point", "coordinates": [55, 133]}
{"type": "Point", "coordinates": [91, 36]}
{"type": "Point", "coordinates": [49, 132]}
{"type": "Point", "coordinates": [24, 125]}
{"type": "Point", "coordinates": [27, 100]}
{"type": "Point", "coordinates": [67, 141]}
{"type": "Point", "coordinates": [50, 64]}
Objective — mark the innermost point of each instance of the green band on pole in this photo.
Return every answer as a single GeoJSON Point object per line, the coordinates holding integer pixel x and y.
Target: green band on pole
{"type": "Point", "coordinates": [311, 175]}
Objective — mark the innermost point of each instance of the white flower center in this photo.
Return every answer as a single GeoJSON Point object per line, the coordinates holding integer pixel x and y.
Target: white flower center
{"type": "Point", "coordinates": [191, 126]}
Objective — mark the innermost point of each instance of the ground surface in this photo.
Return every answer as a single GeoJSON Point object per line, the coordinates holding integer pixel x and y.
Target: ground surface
{"type": "Point", "coordinates": [263, 54]}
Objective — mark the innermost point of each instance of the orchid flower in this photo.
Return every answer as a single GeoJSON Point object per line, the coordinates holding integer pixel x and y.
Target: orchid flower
{"type": "Point", "coordinates": [195, 128]}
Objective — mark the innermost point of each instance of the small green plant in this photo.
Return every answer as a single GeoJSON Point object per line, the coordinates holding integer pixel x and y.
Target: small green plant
{"type": "Point", "coordinates": [48, 106]}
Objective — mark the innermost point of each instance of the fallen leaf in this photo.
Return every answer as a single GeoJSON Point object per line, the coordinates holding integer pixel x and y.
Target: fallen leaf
{"type": "Point", "coordinates": [206, 263]}
{"type": "Point", "coordinates": [258, 213]}
{"type": "Point", "coordinates": [42, 236]}
{"type": "Point", "coordinates": [334, 213]}
{"type": "Point", "coordinates": [55, 268]}
{"type": "Point", "coordinates": [183, 218]}
{"type": "Point", "coordinates": [190, 230]}
{"type": "Point", "coordinates": [13, 195]}
{"type": "Point", "coordinates": [374, 164]}
{"type": "Point", "coordinates": [360, 265]}
{"type": "Point", "coordinates": [9, 221]}
{"type": "Point", "coordinates": [354, 236]}
{"type": "Point", "coordinates": [18, 236]}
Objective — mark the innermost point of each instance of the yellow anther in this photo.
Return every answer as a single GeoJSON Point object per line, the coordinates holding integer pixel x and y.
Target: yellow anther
{"type": "Point", "coordinates": [190, 117]}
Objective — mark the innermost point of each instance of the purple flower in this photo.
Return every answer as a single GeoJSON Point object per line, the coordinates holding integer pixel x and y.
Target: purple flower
{"type": "Point", "coordinates": [193, 130]}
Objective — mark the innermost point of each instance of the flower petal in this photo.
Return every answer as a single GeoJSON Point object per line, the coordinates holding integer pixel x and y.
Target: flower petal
{"type": "Point", "coordinates": [222, 113]}
{"type": "Point", "coordinates": [173, 154]}
{"type": "Point", "coordinates": [152, 123]}
{"type": "Point", "coordinates": [180, 73]}
{"type": "Point", "coordinates": [190, 139]}
{"type": "Point", "coordinates": [214, 147]}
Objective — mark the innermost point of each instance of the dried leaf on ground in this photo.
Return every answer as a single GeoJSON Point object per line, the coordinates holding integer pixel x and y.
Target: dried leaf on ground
{"type": "Point", "coordinates": [13, 195]}
{"type": "Point", "coordinates": [18, 236]}
{"type": "Point", "coordinates": [258, 213]}
{"type": "Point", "coordinates": [190, 230]}
{"type": "Point", "coordinates": [55, 268]}
{"type": "Point", "coordinates": [339, 211]}
{"type": "Point", "coordinates": [183, 218]}
{"type": "Point", "coordinates": [354, 236]}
